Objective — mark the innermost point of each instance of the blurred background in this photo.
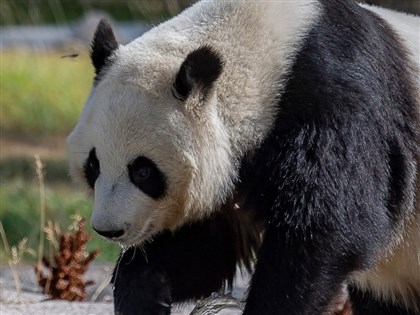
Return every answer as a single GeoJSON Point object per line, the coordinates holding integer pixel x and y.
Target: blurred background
{"type": "Point", "coordinates": [44, 80]}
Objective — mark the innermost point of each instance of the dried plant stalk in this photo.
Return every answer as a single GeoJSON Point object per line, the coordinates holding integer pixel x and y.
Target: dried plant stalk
{"type": "Point", "coordinates": [39, 168]}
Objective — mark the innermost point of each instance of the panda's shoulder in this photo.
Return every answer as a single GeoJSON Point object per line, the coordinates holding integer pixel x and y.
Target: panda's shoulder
{"type": "Point", "coordinates": [347, 58]}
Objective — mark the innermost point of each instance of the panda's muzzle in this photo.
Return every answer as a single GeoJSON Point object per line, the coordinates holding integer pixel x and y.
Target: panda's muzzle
{"type": "Point", "coordinates": [110, 234]}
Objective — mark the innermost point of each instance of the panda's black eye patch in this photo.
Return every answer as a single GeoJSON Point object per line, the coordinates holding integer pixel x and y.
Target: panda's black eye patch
{"type": "Point", "coordinates": [146, 176]}
{"type": "Point", "coordinates": [91, 168]}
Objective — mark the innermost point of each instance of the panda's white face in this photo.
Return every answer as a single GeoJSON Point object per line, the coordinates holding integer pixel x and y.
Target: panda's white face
{"type": "Point", "coordinates": [152, 160]}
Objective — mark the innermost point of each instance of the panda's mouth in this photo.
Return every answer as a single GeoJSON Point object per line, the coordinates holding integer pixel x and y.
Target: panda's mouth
{"type": "Point", "coordinates": [137, 237]}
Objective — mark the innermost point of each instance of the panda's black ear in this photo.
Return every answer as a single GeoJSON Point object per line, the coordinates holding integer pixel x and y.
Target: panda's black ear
{"type": "Point", "coordinates": [103, 44]}
{"type": "Point", "coordinates": [198, 72]}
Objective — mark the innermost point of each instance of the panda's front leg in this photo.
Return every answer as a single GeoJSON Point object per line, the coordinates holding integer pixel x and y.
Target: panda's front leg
{"type": "Point", "coordinates": [140, 287]}
{"type": "Point", "coordinates": [297, 276]}
{"type": "Point", "coordinates": [311, 248]}
{"type": "Point", "coordinates": [192, 262]}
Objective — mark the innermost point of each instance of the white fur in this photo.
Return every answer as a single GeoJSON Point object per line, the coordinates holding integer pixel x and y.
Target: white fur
{"type": "Point", "coordinates": [132, 112]}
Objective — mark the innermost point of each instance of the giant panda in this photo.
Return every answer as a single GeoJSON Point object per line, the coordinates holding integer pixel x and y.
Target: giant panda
{"type": "Point", "coordinates": [285, 131]}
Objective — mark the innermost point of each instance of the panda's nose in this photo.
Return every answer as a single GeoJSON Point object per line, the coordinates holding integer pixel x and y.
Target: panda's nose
{"type": "Point", "coordinates": [110, 234]}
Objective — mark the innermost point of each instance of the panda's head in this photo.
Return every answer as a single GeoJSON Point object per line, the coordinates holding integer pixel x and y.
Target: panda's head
{"type": "Point", "coordinates": [150, 144]}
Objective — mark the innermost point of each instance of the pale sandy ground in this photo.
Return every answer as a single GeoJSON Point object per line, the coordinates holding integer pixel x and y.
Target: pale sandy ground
{"type": "Point", "coordinates": [32, 302]}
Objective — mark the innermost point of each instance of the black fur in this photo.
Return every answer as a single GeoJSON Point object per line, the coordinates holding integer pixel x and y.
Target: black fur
{"type": "Point", "coordinates": [191, 263]}
{"type": "Point", "coordinates": [103, 45]}
{"type": "Point", "coordinates": [146, 176]}
{"type": "Point", "coordinates": [335, 168]}
{"type": "Point", "coordinates": [199, 71]}
{"type": "Point", "coordinates": [92, 168]}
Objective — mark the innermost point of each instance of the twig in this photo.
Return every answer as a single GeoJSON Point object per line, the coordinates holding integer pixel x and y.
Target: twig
{"type": "Point", "coordinates": [100, 288]}
{"type": "Point", "coordinates": [39, 168]}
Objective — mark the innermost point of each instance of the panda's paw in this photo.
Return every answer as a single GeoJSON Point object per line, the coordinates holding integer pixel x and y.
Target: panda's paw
{"type": "Point", "coordinates": [148, 294]}
{"type": "Point", "coordinates": [147, 311]}
{"type": "Point", "coordinates": [140, 307]}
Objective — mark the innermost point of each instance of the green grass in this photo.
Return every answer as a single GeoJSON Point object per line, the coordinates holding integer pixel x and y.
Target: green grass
{"type": "Point", "coordinates": [42, 93]}
{"type": "Point", "coordinates": [20, 208]}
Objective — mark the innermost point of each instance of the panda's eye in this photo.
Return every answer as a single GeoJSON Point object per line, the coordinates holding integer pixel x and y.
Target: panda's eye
{"type": "Point", "coordinates": [94, 165]}
{"type": "Point", "coordinates": [143, 173]}
{"type": "Point", "coordinates": [146, 176]}
{"type": "Point", "coordinates": [91, 168]}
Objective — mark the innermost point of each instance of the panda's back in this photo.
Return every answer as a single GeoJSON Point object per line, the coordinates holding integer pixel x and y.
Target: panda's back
{"type": "Point", "coordinates": [397, 275]}
{"type": "Point", "coordinates": [407, 27]}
